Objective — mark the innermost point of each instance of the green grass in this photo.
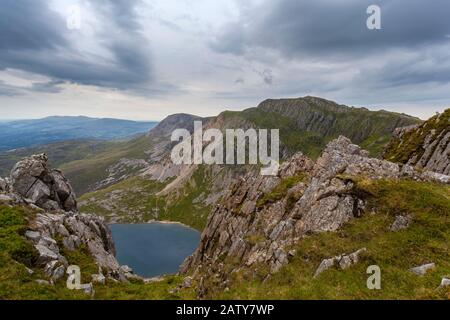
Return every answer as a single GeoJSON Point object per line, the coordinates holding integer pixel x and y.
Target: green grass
{"type": "Point", "coordinates": [426, 240]}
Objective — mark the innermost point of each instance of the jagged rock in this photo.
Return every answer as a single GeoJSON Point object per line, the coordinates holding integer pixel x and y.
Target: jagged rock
{"type": "Point", "coordinates": [401, 223]}
{"type": "Point", "coordinates": [43, 282]}
{"type": "Point", "coordinates": [49, 189]}
{"type": "Point", "coordinates": [49, 243]}
{"type": "Point", "coordinates": [50, 267]}
{"type": "Point", "coordinates": [445, 283]}
{"type": "Point", "coordinates": [33, 236]}
{"type": "Point", "coordinates": [99, 278]}
{"type": "Point", "coordinates": [187, 282]}
{"type": "Point", "coordinates": [126, 269]}
{"type": "Point", "coordinates": [342, 261]}
{"type": "Point", "coordinates": [251, 226]}
{"type": "Point", "coordinates": [45, 255]}
{"type": "Point", "coordinates": [34, 185]}
{"type": "Point", "coordinates": [6, 198]}
{"type": "Point", "coordinates": [422, 270]}
{"type": "Point", "coordinates": [58, 273]}
{"type": "Point", "coordinates": [3, 185]}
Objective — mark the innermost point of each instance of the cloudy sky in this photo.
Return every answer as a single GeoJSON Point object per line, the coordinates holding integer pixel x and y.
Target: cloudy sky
{"type": "Point", "coordinates": [146, 59]}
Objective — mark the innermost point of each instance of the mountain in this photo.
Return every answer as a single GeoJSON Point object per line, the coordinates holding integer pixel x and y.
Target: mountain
{"type": "Point", "coordinates": [148, 186]}
{"type": "Point", "coordinates": [311, 232]}
{"type": "Point", "coordinates": [58, 152]}
{"type": "Point", "coordinates": [25, 133]}
{"type": "Point", "coordinates": [425, 146]}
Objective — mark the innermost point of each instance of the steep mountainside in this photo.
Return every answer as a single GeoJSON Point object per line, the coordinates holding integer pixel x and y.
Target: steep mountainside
{"type": "Point", "coordinates": [25, 133]}
{"type": "Point", "coordinates": [425, 146]}
{"type": "Point", "coordinates": [254, 230]}
{"type": "Point", "coordinates": [308, 124]}
{"type": "Point", "coordinates": [122, 160]}
{"type": "Point", "coordinates": [186, 193]}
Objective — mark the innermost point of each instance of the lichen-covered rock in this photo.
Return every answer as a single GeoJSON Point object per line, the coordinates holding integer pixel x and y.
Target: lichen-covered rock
{"type": "Point", "coordinates": [32, 179]}
{"type": "Point", "coordinates": [401, 223]}
{"type": "Point", "coordinates": [422, 270]}
{"type": "Point", "coordinates": [258, 219]}
{"type": "Point", "coordinates": [49, 194]}
{"type": "Point", "coordinates": [343, 261]}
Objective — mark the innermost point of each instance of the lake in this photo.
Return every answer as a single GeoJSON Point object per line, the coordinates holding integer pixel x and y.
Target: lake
{"type": "Point", "coordinates": [154, 249]}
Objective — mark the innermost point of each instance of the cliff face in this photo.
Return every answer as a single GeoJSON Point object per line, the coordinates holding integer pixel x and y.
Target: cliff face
{"type": "Point", "coordinates": [56, 227]}
{"type": "Point", "coordinates": [425, 146]}
{"type": "Point", "coordinates": [260, 217]}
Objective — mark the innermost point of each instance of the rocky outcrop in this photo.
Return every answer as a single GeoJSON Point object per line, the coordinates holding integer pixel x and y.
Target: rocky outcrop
{"type": "Point", "coordinates": [343, 261]}
{"type": "Point", "coordinates": [424, 269]}
{"type": "Point", "coordinates": [401, 223]}
{"type": "Point", "coordinates": [49, 189]}
{"type": "Point", "coordinates": [425, 146]}
{"type": "Point", "coordinates": [260, 217]}
{"type": "Point", "coordinates": [57, 227]}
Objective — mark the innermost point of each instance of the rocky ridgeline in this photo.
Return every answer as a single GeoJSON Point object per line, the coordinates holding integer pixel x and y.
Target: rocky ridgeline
{"type": "Point", "coordinates": [33, 184]}
{"type": "Point", "coordinates": [425, 146]}
{"type": "Point", "coordinates": [257, 221]}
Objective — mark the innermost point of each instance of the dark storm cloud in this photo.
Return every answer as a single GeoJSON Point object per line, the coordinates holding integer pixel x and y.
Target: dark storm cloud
{"type": "Point", "coordinates": [34, 39]}
{"type": "Point", "coordinates": [299, 28]}
{"type": "Point", "coordinates": [29, 25]}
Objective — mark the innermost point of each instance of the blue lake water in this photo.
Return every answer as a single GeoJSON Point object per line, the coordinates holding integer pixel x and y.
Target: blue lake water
{"type": "Point", "coordinates": [154, 249]}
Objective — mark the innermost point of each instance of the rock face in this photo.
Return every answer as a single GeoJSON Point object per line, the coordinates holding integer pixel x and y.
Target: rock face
{"type": "Point", "coordinates": [49, 189]}
{"type": "Point", "coordinates": [425, 146]}
{"type": "Point", "coordinates": [343, 261]}
{"type": "Point", "coordinates": [258, 219]}
{"type": "Point", "coordinates": [249, 229]}
{"type": "Point", "coordinates": [422, 270]}
{"type": "Point", "coordinates": [49, 193]}
{"type": "Point", "coordinates": [401, 223]}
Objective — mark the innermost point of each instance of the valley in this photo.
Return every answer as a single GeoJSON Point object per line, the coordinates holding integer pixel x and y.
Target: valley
{"type": "Point", "coordinates": [335, 195]}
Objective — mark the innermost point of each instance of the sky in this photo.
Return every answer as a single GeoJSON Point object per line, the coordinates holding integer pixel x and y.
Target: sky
{"type": "Point", "coordinates": [147, 59]}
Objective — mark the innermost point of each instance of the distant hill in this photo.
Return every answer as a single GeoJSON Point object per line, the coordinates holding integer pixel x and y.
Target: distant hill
{"type": "Point", "coordinates": [26, 133]}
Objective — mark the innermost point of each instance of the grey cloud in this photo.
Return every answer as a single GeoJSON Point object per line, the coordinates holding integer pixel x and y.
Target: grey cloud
{"type": "Point", "coordinates": [33, 40]}
{"type": "Point", "coordinates": [299, 28]}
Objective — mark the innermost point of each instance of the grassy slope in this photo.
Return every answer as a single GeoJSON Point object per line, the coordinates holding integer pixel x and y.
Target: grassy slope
{"type": "Point", "coordinates": [17, 283]}
{"type": "Point", "coordinates": [59, 153]}
{"type": "Point", "coordinates": [86, 172]}
{"type": "Point", "coordinates": [371, 130]}
{"type": "Point", "coordinates": [426, 240]}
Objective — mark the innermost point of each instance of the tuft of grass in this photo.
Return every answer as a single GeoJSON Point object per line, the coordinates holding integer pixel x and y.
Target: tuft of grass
{"type": "Point", "coordinates": [281, 190]}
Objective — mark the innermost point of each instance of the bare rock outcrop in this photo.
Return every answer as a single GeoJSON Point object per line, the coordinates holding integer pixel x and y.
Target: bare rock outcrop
{"type": "Point", "coordinates": [48, 189]}
{"type": "Point", "coordinates": [57, 226]}
{"type": "Point", "coordinates": [343, 261]}
{"type": "Point", "coordinates": [255, 225]}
